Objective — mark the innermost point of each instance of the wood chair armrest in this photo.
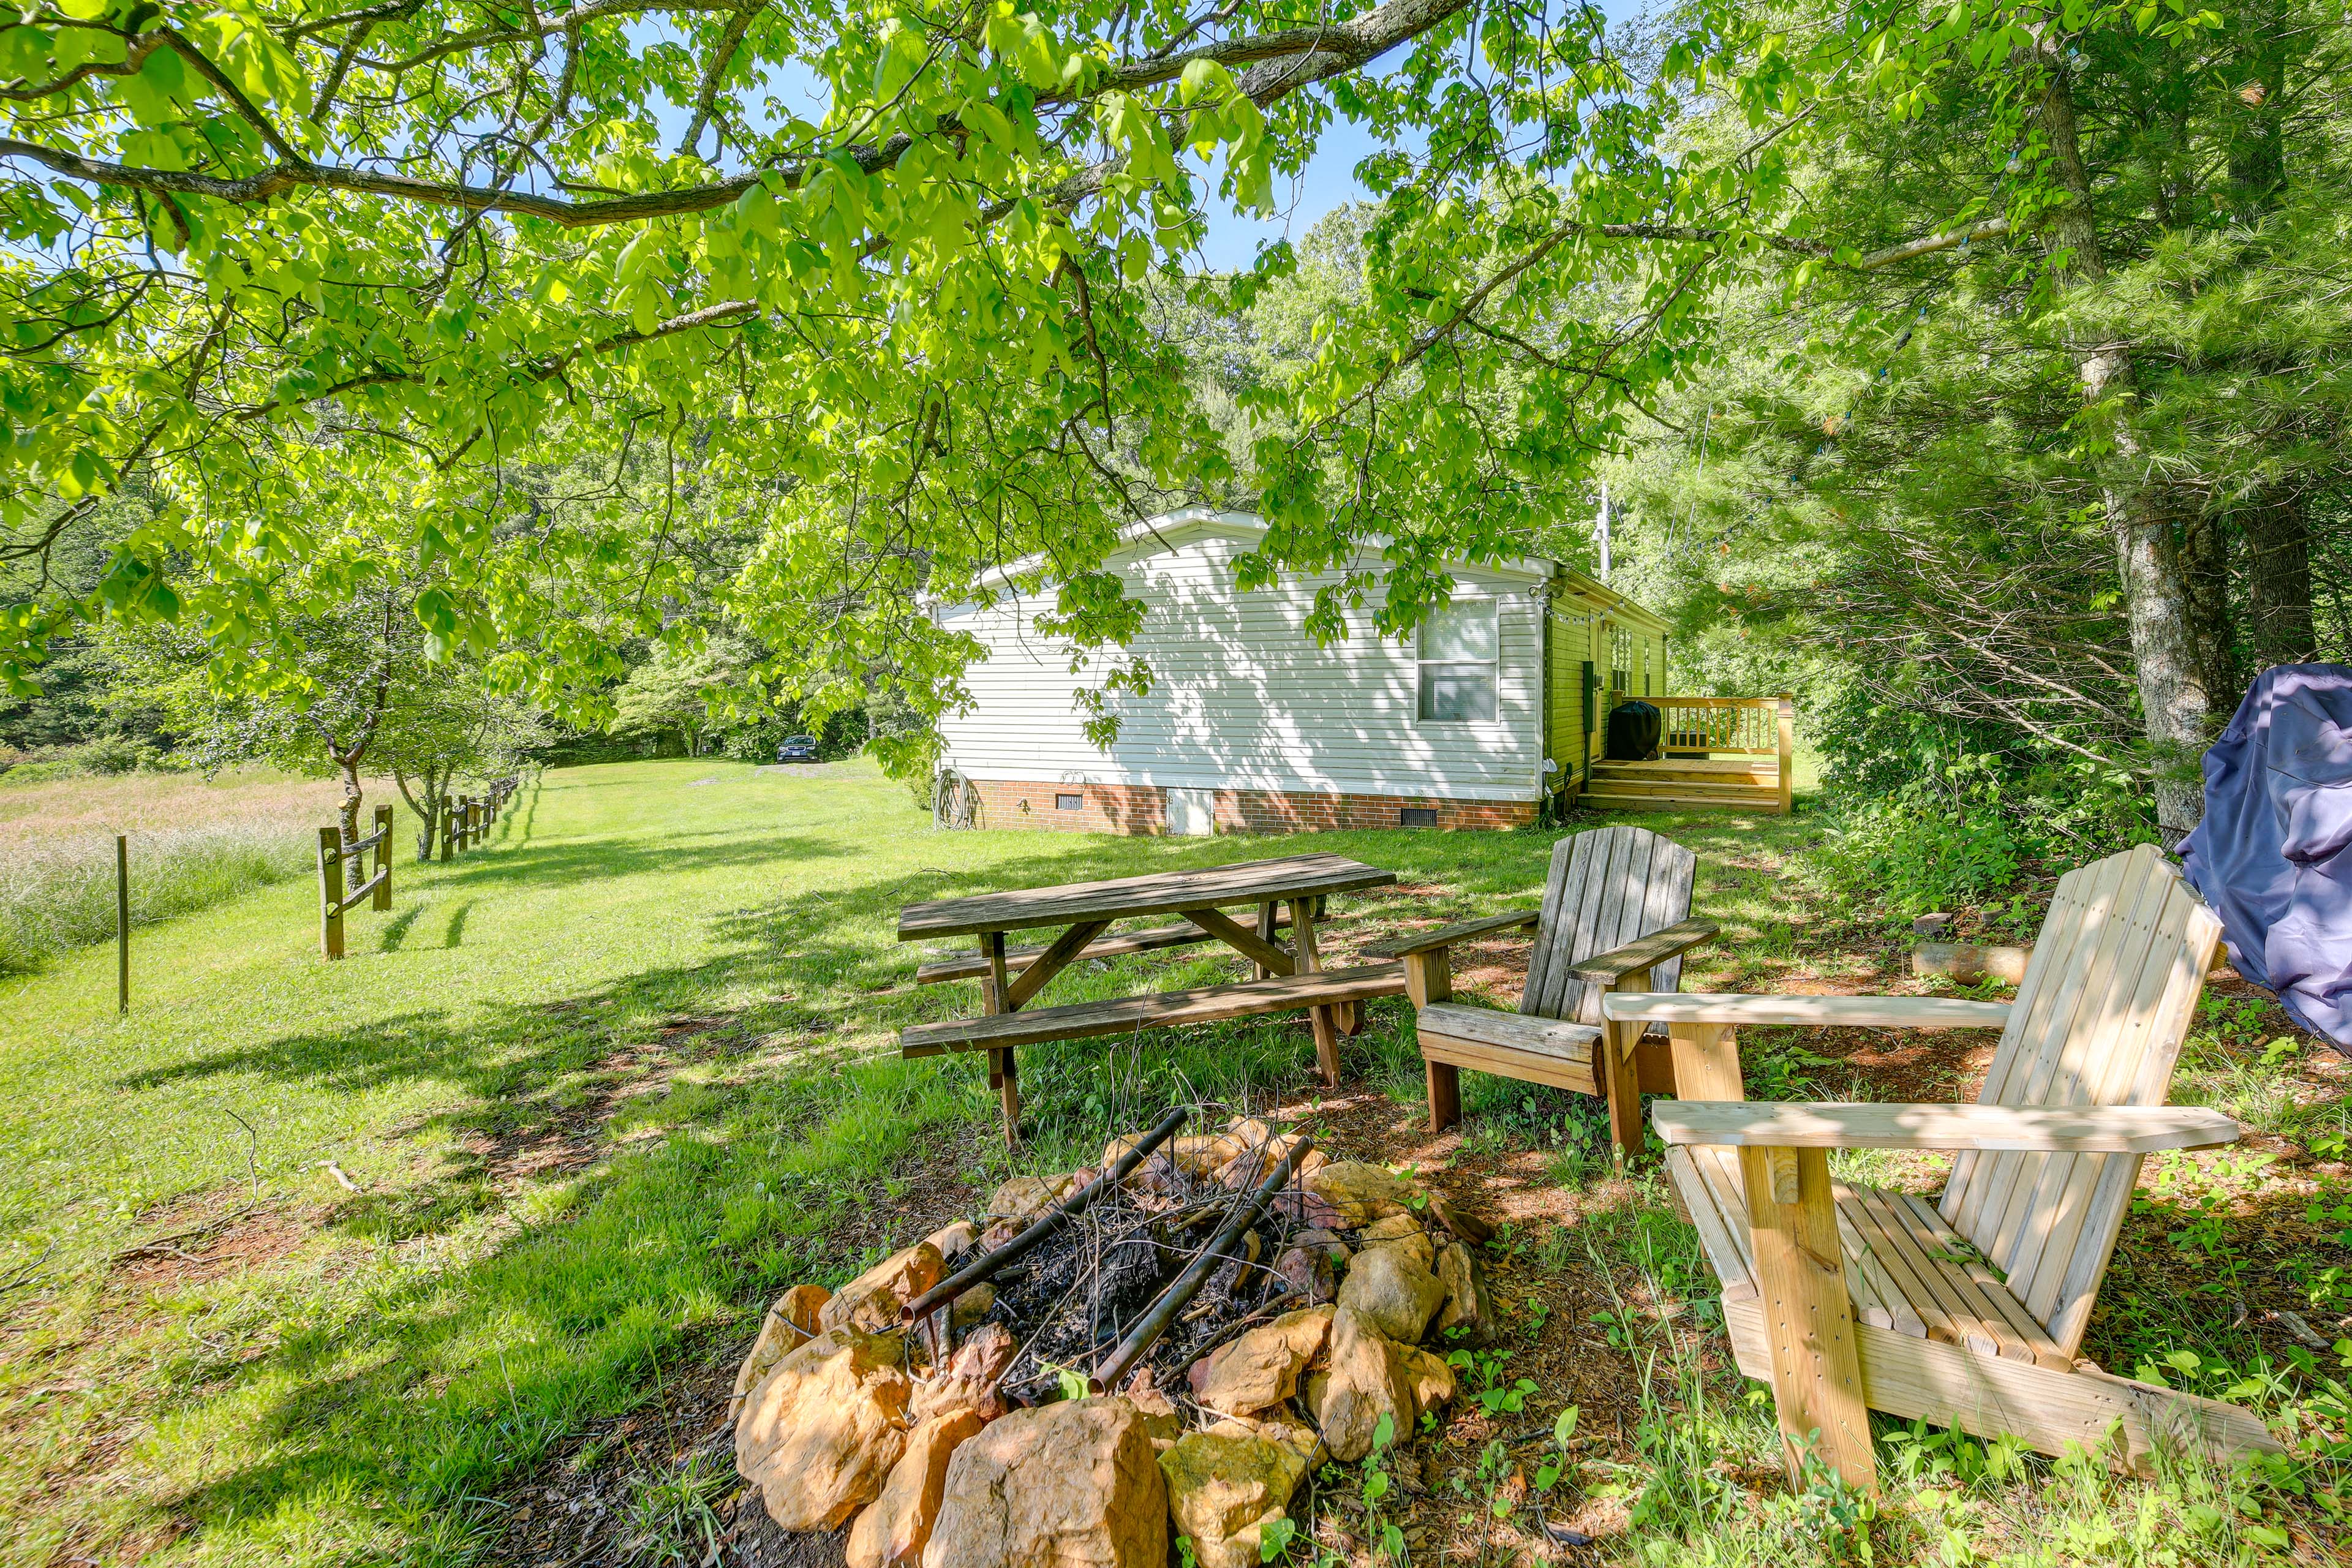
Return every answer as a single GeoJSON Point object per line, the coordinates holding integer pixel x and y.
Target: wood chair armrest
{"type": "Point", "coordinates": [1446, 936]}
{"type": "Point", "coordinates": [1643, 952]}
{"type": "Point", "coordinates": [1870, 1011]}
{"type": "Point", "coordinates": [2072, 1129]}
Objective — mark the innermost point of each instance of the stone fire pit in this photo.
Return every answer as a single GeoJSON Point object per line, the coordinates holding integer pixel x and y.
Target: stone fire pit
{"type": "Point", "coordinates": [968, 1440]}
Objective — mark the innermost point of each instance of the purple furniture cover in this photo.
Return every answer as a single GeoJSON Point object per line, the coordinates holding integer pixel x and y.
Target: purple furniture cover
{"type": "Point", "coordinates": [2271, 855]}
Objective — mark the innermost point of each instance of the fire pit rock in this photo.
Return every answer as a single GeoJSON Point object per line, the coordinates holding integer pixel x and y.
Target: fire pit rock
{"type": "Point", "coordinates": [1392, 1288]}
{"type": "Point", "coordinates": [893, 1533]}
{"type": "Point", "coordinates": [791, 1323]}
{"type": "Point", "coordinates": [969, 1380]}
{"type": "Point", "coordinates": [871, 1301]}
{"type": "Point", "coordinates": [1074, 1484]}
{"type": "Point", "coordinates": [954, 1240]}
{"type": "Point", "coordinates": [959, 1446]}
{"type": "Point", "coordinates": [1468, 1305]}
{"type": "Point", "coordinates": [819, 1434]}
{"type": "Point", "coordinates": [1224, 1486]}
{"type": "Point", "coordinates": [1347, 1195]}
{"type": "Point", "coordinates": [1260, 1370]}
{"type": "Point", "coordinates": [1023, 1198]}
{"type": "Point", "coordinates": [1369, 1375]}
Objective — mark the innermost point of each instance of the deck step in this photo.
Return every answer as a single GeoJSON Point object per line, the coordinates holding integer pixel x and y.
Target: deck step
{"type": "Point", "coordinates": [1155, 1010]}
{"type": "Point", "coordinates": [1680, 773]}
{"type": "Point", "coordinates": [1694, 765]}
{"type": "Point", "coordinates": [1644, 784]}
{"type": "Point", "coordinates": [1601, 798]}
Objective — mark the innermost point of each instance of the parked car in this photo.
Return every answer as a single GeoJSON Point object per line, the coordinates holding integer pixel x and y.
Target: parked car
{"type": "Point", "coordinates": [797, 749]}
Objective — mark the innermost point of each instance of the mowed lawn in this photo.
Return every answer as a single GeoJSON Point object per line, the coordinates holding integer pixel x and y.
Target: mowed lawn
{"type": "Point", "coordinates": [600, 1085]}
{"type": "Point", "coordinates": [331, 1263]}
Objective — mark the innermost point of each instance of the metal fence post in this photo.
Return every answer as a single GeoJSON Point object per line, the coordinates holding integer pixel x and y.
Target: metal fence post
{"type": "Point", "coordinates": [122, 922]}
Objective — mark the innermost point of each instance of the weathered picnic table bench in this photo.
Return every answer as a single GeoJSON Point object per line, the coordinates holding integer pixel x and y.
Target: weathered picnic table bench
{"type": "Point", "coordinates": [1287, 893]}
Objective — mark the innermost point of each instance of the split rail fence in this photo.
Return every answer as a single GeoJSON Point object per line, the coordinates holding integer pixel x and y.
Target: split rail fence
{"type": "Point", "coordinates": [465, 823]}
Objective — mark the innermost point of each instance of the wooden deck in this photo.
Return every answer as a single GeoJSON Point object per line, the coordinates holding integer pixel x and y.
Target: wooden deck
{"type": "Point", "coordinates": [1736, 753]}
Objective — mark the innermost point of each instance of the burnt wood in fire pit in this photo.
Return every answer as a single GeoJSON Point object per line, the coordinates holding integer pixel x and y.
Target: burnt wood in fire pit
{"type": "Point", "coordinates": [1172, 1270]}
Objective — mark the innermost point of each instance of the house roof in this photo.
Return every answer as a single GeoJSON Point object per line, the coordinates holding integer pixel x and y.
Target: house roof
{"type": "Point", "coordinates": [1602, 597]}
{"type": "Point", "coordinates": [1172, 529]}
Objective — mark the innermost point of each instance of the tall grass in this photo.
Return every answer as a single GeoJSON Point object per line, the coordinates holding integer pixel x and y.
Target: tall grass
{"type": "Point", "coordinates": [63, 897]}
{"type": "Point", "coordinates": [193, 843]}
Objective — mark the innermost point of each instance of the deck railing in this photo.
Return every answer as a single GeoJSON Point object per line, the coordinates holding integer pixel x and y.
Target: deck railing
{"type": "Point", "coordinates": [1746, 725]}
{"type": "Point", "coordinates": [1742, 726]}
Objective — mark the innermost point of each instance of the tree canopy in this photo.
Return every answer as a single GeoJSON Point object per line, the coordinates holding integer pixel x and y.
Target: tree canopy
{"type": "Point", "coordinates": [657, 318]}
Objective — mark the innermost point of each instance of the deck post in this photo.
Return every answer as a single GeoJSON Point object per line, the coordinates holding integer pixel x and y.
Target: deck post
{"type": "Point", "coordinates": [1788, 733]}
{"type": "Point", "coordinates": [1808, 1315]}
{"type": "Point", "coordinates": [1310, 961]}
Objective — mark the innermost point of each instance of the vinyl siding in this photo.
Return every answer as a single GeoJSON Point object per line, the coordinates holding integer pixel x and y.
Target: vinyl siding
{"type": "Point", "coordinates": [1242, 698]}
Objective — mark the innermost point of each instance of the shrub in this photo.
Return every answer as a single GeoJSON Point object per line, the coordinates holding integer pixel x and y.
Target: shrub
{"type": "Point", "coordinates": [1913, 852]}
{"type": "Point", "coordinates": [1964, 827]}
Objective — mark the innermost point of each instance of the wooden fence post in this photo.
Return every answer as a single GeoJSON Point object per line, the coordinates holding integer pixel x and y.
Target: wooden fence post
{"type": "Point", "coordinates": [1788, 749]}
{"type": "Point", "coordinates": [448, 828]}
{"type": "Point", "coordinates": [382, 858]}
{"type": "Point", "coordinates": [122, 923]}
{"type": "Point", "coordinates": [331, 892]}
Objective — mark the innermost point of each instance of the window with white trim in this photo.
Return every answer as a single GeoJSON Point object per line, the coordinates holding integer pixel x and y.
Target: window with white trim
{"type": "Point", "coordinates": [1457, 651]}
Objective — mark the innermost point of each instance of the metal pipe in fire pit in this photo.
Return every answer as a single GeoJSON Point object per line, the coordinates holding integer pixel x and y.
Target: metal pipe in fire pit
{"type": "Point", "coordinates": [1154, 1323]}
{"type": "Point", "coordinates": [1054, 1219]}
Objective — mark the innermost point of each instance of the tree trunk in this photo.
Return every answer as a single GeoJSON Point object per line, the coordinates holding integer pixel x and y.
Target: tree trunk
{"type": "Point", "coordinates": [2278, 577]}
{"type": "Point", "coordinates": [2257, 135]}
{"type": "Point", "coordinates": [348, 815]}
{"type": "Point", "coordinates": [426, 802]}
{"type": "Point", "coordinates": [2143, 517]}
{"type": "Point", "coordinates": [2213, 628]}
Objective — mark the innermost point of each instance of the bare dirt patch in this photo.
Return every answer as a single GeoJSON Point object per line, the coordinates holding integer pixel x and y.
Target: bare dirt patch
{"type": "Point", "coordinates": [207, 1235]}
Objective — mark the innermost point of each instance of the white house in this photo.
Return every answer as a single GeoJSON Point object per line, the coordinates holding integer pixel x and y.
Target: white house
{"type": "Point", "coordinates": [1251, 725]}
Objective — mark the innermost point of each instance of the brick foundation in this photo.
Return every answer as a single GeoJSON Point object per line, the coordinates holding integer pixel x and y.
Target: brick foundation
{"type": "Point", "coordinates": [1143, 809]}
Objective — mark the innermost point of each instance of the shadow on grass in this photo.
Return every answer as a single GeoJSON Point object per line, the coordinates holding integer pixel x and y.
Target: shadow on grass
{"type": "Point", "coordinates": [395, 931]}
{"type": "Point", "coordinates": [553, 1294]}
{"type": "Point", "coordinates": [612, 858]}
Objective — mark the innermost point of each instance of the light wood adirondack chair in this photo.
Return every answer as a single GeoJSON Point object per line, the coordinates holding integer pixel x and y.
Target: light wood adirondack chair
{"type": "Point", "coordinates": [1968, 1311]}
{"type": "Point", "coordinates": [1613, 919]}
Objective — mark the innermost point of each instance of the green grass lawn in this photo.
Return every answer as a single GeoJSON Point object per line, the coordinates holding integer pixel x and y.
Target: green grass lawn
{"type": "Point", "coordinates": [373, 1361]}
{"type": "Point", "coordinates": [602, 1087]}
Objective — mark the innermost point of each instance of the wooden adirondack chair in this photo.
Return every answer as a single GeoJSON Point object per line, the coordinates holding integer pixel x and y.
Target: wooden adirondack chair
{"type": "Point", "coordinates": [1613, 919]}
{"type": "Point", "coordinates": [1968, 1311]}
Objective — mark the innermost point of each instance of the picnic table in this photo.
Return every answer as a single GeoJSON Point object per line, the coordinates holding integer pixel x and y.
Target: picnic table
{"type": "Point", "coordinates": [1285, 894]}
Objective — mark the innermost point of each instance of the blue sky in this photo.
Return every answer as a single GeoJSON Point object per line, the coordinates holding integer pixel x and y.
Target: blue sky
{"type": "Point", "coordinates": [1328, 180]}
{"type": "Point", "coordinates": [1234, 237]}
